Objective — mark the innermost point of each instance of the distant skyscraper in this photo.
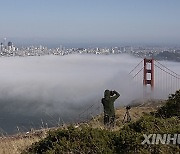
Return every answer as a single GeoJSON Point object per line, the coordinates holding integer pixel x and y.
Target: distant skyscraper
{"type": "Point", "coordinates": [1, 47]}
{"type": "Point", "coordinates": [10, 44]}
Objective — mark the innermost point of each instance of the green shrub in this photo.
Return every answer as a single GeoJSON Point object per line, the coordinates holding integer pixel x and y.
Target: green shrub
{"type": "Point", "coordinates": [131, 136]}
{"type": "Point", "coordinates": [171, 108]}
{"type": "Point", "coordinates": [126, 140]}
{"type": "Point", "coordinates": [76, 140]}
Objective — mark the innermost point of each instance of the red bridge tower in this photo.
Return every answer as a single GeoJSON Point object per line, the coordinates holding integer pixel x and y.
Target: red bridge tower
{"type": "Point", "coordinates": [148, 73]}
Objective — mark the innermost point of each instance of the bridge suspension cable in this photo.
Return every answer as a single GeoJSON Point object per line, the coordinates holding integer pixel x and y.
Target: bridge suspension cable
{"type": "Point", "coordinates": [168, 69]}
{"type": "Point", "coordinates": [136, 66]}
{"type": "Point", "coordinates": [168, 72]}
{"type": "Point", "coordinates": [138, 72]}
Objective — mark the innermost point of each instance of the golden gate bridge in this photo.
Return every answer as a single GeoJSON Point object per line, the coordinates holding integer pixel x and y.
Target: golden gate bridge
{"type": "Point", "coordinates": [155, 79]}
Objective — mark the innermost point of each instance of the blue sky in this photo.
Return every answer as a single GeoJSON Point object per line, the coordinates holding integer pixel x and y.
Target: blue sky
{"type": "Point", "coordinates": [91, 21]}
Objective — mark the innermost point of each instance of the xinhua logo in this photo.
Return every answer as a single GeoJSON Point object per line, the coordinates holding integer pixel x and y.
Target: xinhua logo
{"type": "Point", "coordinates": [161, 139]}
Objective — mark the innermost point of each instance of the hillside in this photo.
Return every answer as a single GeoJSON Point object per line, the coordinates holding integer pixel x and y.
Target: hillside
{"type": "Point", "coordinates": [15, 144]}
{"type": "Point", "coordinates": [156, 132]}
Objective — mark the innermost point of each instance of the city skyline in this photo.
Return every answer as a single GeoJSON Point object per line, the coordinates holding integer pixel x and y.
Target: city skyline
{"type": "Point", "coordinates": [90, 22]}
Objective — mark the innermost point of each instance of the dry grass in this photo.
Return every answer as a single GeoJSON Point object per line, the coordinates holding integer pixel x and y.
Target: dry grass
{"type": "Point", "coordinates": [137, 110]}
{"type": "Point", "coordinates": [135, 113]}
{"type": "Point", "coordinates": [16, 144]}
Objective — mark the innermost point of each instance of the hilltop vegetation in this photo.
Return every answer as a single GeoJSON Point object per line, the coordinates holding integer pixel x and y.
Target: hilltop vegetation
{"type": "Point", "coordinates": [127, 139]}
{"type": "Point", "coordinates": [166, 55]}
{"type": "Point", "coordinates": [171, 108]}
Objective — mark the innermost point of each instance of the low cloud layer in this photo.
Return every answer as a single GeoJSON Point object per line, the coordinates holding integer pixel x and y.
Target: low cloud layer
{"type": "Point", "coordinates": [35, 88]}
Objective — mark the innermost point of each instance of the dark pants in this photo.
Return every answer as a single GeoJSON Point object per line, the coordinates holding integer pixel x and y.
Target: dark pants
{"type": "Point", "coordinates": [109, 120]}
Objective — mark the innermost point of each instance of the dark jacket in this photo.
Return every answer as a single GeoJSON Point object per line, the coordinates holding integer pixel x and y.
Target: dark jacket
{"type": "Point", "coordinates": [108, 102]}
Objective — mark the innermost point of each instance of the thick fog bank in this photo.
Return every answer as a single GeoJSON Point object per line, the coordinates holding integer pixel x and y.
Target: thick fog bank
{"type": "Point", "coordinates": [52, 89]}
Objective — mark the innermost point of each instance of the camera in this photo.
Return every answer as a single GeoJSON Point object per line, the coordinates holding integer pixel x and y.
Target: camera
{"type": "Point", "coordinates": [128, 107]}
{"type": "Point", "coordinates": [111, 93]}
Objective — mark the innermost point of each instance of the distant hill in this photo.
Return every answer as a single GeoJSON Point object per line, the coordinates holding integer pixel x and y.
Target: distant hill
{"type": "Point", "coordinates": [166, 55]}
